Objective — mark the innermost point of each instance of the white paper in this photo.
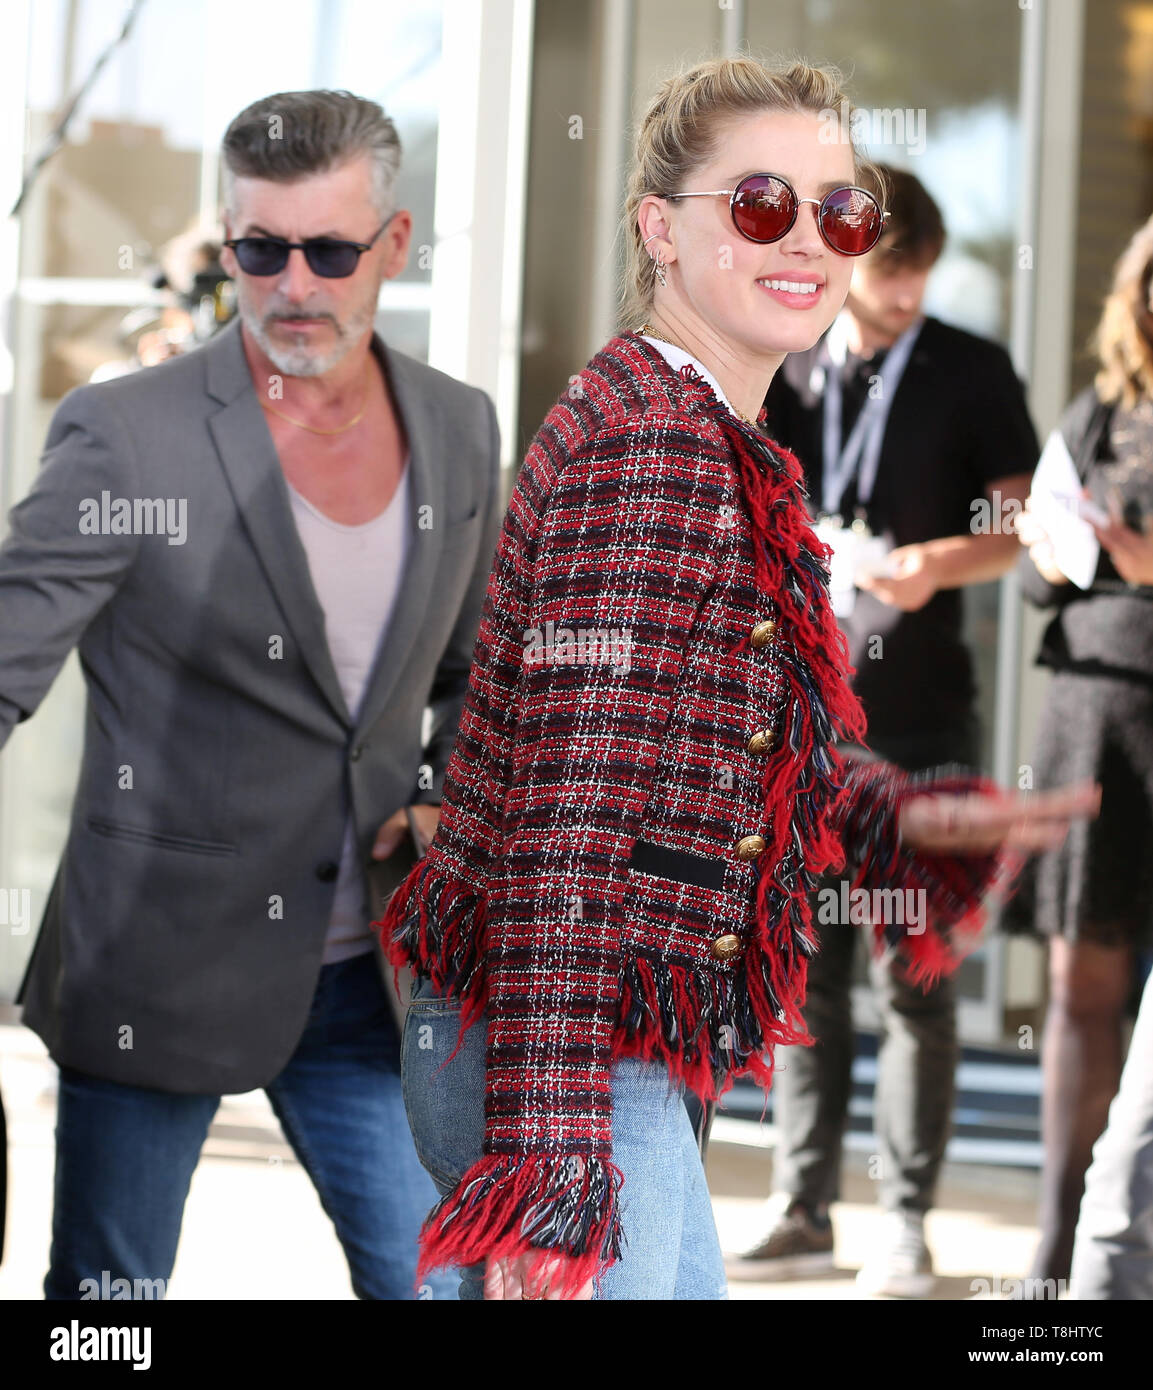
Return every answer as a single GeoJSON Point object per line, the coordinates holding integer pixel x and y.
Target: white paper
{"type": "Point", "coordinates": [1055, 500]}
{"type": "Point", "coordinates": [854, 556]}
{"type": "Point", "coordinates": [842, 590]}
{"type": "Point", "coordinates": [874, 558]}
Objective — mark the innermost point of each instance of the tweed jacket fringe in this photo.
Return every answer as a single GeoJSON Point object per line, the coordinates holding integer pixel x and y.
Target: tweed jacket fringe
{"type": "Point", "coordinates": [643, 792]}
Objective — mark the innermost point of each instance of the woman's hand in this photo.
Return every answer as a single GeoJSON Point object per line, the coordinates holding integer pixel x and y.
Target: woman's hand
{"type": "Point", "coordinates": [1035, 539]}
{"type": "Point", "coordinates": [980, 823]}
{"type": "Point", "coordinates": [511, 1278]}
{"type": "Point", "coordinates": [1131, 551]}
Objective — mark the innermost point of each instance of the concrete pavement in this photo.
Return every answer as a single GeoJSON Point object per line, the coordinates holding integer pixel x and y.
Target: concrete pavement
{"type": "Point", "coordinates": [254, 1228]}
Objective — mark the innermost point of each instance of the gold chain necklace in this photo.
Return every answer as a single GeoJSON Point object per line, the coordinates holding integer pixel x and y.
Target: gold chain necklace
{"type": "Point", "coordinates": [356, 419]}
{"type": "Point", "coordinates": [648, 331]}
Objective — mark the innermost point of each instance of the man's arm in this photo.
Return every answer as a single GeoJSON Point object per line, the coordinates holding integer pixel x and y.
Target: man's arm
{"type": "Point", "coordinates": [999, 452]}
{"type": "Point", "coordinates": [57, 570]}
{"type": "Point", "coordinates": [446, 699]}
{"type": "Point", "coordinates": [951, 562]}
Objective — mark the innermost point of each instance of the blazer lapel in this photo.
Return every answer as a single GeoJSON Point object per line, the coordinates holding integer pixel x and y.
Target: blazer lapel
{"type": "Point", "coordinates": [257, 482]}
{"type": "Point", "coordinates": [426, 504]}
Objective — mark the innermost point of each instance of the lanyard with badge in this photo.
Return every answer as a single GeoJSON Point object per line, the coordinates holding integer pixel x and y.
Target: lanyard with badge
{"type": "Point", "coordinates": [855, 549]}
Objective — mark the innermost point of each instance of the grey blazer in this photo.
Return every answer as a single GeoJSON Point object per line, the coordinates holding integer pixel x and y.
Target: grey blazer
{"type": "Point", "coordinates": [182, 940]}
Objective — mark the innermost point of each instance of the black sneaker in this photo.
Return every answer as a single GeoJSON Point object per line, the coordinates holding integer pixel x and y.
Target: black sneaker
{"type": "Point", "coordinates": [791, 1244]}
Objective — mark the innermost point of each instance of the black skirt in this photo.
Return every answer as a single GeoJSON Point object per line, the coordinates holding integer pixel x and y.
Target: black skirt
{"type": "Point", "coordinates": [1099, 885]}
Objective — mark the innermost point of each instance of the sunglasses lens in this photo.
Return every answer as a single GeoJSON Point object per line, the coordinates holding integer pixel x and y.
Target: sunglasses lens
{"type": "Point", "coordinates": [261, 255]}
{"type": "Point", "coordinates": [763, 208]}
{"type": "Point", "coordinates": [332, 259]}
{"type": "Point", "coordinates": [851, 221]}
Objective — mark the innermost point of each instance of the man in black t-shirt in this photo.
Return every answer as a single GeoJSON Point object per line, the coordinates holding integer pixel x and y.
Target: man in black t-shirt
{"type": "Point", "coordinates": [919, 479]}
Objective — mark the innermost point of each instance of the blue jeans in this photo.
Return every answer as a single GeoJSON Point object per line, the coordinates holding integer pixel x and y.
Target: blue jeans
{"type": "Point", "coordinates": [671, 1249]}
{"type": "Point", "coordinates": [125, 1155]}
{"type": "Point", "coordinates": [1113, 1248]}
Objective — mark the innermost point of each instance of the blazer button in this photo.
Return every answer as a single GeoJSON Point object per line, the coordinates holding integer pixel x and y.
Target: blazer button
{"type": "Point", "coordinates": [726, 947]}
{"type": "Point", "coordinates": [327, 870]}
{"type": "Point", "coordinates": [750, 846]}
{"type": "Point", "coordinates": [762, 742]}
{"type": "Point", "coordinates": [356, 752]}
{"type": "Point", "coordinates": [762, 634]}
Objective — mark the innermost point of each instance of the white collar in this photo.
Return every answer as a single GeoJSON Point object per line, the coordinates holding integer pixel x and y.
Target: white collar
{"type": "Point", "coordinates": [677, 357]}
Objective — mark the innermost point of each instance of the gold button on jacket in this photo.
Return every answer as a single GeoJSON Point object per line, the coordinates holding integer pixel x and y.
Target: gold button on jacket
{"type": "Point", "coordinates": [762, 634]}
{"type": "Point", "coordinates": [762, 742]}
{"type": "Point", "coordinates": [750, 846]}
{"type": "Point", "coordinates": [726, 947]}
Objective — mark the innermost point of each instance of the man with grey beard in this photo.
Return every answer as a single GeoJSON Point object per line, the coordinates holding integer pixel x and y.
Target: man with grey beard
{"type": "Point", "coordinates": [271, 707]}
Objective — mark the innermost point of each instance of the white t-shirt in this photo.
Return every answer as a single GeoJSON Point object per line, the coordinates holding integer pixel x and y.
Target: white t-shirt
{"type": "Point", "coordinates": [677, 357]}
{"type": "Point", "coordinates": [356, 572]}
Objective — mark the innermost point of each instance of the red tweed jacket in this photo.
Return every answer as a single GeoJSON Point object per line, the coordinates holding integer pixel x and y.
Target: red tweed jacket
{"type": "Point", "coordinates": [642, 793]}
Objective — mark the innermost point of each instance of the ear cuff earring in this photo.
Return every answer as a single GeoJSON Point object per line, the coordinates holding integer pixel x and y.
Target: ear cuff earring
{"type": "Point", "coordinates": [659, 271]}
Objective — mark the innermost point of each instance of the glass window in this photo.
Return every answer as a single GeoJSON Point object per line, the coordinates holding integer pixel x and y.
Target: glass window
{"type": "Point", "coordinates": [138, 170]}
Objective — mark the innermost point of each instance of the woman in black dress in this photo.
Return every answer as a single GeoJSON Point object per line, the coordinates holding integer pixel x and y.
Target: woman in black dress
{"type": "Point", "coordinates": [1093, 897]}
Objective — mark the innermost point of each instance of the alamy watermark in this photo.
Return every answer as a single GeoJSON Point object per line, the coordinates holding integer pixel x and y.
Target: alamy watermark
{"type": "Point", "coordinates": [82, 1343]}
{"type": "Point", "coordinates": [901, 126]}
{"type": "Point", "coordinates": [118, 1287]}
{"type": "Point", "coordinates": [862, 907]}
{"type": "Point", "coordinates": [135, 516]}
{"type": "Point", "coordinates": [1028, 1288]}
{"type": "Point", "coordinates": [581, 646]}
{"type": "Point", "coordinates": [996, 515]}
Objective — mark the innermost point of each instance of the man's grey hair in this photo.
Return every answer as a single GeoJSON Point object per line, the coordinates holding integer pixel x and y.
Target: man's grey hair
{"type": "Point", "coordinates": [289, 135]}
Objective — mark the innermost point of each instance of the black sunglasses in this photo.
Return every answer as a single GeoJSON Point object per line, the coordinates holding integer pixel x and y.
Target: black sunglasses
{"type": "Point", "coordinates": [764, 208]}
{"type": "Point", "coordinates": [268, 255]}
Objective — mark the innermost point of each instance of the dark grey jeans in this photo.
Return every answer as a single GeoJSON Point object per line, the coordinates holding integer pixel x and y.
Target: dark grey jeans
{"type": "Point", "coordinates": [917, 1059]}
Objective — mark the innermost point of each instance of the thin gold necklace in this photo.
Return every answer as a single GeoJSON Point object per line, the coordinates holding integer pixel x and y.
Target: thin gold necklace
{"type": "Point", "coordinates": [648, 331]}
{"type": "Point", "coordinates": [356, 419]}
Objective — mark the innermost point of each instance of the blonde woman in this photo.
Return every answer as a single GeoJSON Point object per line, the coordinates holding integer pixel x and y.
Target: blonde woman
{"type": "Point", "coordinates": [644, 785]}
{"type": "Point", "coordinates": [1093, 897]}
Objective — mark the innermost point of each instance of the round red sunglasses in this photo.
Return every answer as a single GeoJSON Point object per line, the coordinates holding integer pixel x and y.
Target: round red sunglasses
{"type": "Point", "coordinates": [764, 208]}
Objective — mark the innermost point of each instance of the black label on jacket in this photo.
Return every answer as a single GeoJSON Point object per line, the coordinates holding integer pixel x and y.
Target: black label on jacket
{"type": "Point", "coordinates": [677, 864]}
